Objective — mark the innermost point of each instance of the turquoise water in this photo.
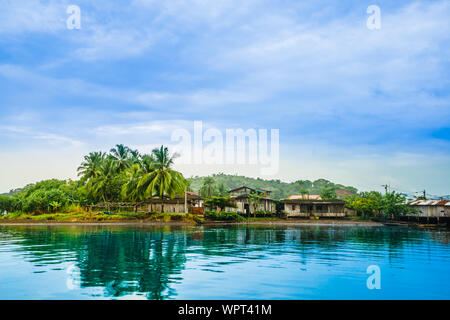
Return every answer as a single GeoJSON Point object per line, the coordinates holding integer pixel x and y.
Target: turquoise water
{"type": "Point", "coordinates": [224, 262]}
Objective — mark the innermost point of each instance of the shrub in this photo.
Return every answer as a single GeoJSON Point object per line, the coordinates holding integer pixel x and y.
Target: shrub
{"type": "Point", "coordinates": [264, 213]}
{"type": "Point", "coordinates": [223, 216]}
{"type": "Point", "coordinates": [42, 200]}
{"type": "Point", "coordinates": [6, 204]}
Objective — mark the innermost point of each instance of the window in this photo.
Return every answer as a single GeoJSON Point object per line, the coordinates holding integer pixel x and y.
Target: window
{"type": "Point", "coordinates": [293, 207]}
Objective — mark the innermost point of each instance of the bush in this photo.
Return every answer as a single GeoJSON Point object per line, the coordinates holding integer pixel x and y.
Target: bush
{"type": "Point", "coordinates": [374, 204]}
{"type": "Point", "coordinates": [264, 213]}
{"type": "Point", "coordinates": [223, 216]}
{"type": "Point", "coordinates": [219, 202]}
{"type": "Point", "coordinates": [42, 200]}
{"type": "Point", "coordinates": [6, 204]}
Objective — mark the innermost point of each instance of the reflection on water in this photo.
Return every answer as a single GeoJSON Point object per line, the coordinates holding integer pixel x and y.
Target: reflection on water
{"type": "Point", "coordinates": [235, 262]}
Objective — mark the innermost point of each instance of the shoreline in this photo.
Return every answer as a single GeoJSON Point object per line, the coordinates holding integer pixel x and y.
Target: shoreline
{"type": "Point", "coordinates": [274, 222]}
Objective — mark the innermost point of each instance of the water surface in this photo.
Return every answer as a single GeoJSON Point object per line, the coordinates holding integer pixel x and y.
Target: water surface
{"type": "Point", "coordinates": [221, 262]}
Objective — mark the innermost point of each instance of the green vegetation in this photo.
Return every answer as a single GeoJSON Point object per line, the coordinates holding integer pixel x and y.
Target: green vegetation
{"type": "Point", "coordinates": [121, 175]}
{"type": "Point", "coordinates": [254, 200]}
{"type": "Point", "coordinates": [328, 193]}
{"type": "Point", "coordinates": [223, 216]}
{"type": "Point", "coordinates": [125, 175]}
{"type": "Point", "coordinates": [160, 180]}
{"type": "Point", "coordinates": [83, 216]}
{"type": "Point", "coordinates": [374, 204]}
{"type": "Point", "coordinates": [223, 182]}
{"type": "Point", "coordinates": [218, 202]}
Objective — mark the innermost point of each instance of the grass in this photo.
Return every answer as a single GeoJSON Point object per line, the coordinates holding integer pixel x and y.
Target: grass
{"type": "Point", "coordinates": [97, 216]}
{"type": "Point", "coordinates": [263, 218]}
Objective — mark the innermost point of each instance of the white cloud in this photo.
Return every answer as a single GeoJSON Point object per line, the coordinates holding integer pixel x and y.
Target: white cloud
{"type": "Point", "coordinates": [21, 16]}
{"type": "Point", "coordinates": [139, 128]}
{"type": "Point", "coordinates": [23, 132]}
{"type": "Point", "coordinates": [314, 71]}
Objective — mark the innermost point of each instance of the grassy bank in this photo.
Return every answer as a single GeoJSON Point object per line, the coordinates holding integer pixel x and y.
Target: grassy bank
{"type": "Point", "coordinates": [19, 217]}
{"type": "Point", "coordinates": [132, 217]}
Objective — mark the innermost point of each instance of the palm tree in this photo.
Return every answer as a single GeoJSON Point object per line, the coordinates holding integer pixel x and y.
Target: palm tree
{"type": "Point", "coordinates": [121, 154]}
{"type": "Point", "coordinates": [208, 187]}
{"type": "Point", "coordinates": [222, 189]}
{"type": "Point", "coordinates": [146, 163]}
{"type": "Point", "coordinates": [89, 168]}
{"type": "Point", "coordinates": [134, 156]}
{"type": "Point", "coordinates": [163, 180]}
{"type": "Point", "coordinates": [101, 185]}
{"type": "Point", "coordinates": [130, 188]}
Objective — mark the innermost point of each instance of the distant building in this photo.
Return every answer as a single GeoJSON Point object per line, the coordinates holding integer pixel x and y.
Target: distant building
{"type": "Point", "coordinates": [298, 207]}
{"type": "Point", "coordinates": [341, 194]}
{"type": "Point", "coordinates": [192, 203]}
{"type": "Point", "coordinates": [241, 198]}
{"type": "Point", "coordinates": [176, 205]}
{"type": "Point", "coordinates": [432, 208]}
{"type": "Point", "coordinates": [305, 197]}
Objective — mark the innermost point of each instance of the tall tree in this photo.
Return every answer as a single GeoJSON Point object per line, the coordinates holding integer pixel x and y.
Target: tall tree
{"type": "Point", "coordinates": [163, 181]}
{"type": "Point", "coordinates": [328, 193]}
{"type": "Point", "coordinates": [134, 157]}
{"type": "Point", "coordinates": [121, 155]}
{"type": "Point", "coordinates": [208, 188]}
{"type": "Point", "coordinates": [254, 198]}
{"type": "Point", "coordinates": [90, 167]}
{"type": "Point", "coordinates": [130, 188]}
{"type": "Point", "coordinates": [103, 185]}
{"type": "Point", "coordinates": [222, 189]}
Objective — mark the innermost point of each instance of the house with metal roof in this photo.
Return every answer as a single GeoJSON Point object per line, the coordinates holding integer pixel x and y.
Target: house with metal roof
{"type": "Point", "coordinates": [305, 197]}
{"type": "Point", "coordinates": [310, 207]}
{"type": "Point", "coordinates": [249, 200]}
{"type": "Point", "coordinates": [432, 208]}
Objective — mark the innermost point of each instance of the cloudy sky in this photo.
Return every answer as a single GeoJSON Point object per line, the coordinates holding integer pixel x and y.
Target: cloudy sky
{"type": "Point", "coordinates": [356, 106]}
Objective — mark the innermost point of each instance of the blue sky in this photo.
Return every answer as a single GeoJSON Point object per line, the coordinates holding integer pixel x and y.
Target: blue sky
{"type": "Point", "coordinates": [356, 106]}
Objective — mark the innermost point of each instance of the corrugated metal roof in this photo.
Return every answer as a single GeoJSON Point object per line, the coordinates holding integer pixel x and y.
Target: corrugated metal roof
{"type": "Point", "coordinates": [305, 197]}
{"type": "Point", "coordinates": [430, 203]}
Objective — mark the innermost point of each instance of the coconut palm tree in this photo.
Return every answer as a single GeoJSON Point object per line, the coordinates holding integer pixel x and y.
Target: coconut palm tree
{"type": "Point", "coordinates": [146, 163]}
{"type": "Point", "coordinates": [121, 154]}
{"type": "Point", "coordinates": [101, 186]}
{"type": "Point", "coordinates": [208, 187]}
{"type": "Point", "coordinates": [130, 188]}
{"type": "Point", "coordinates": [134, 157]}
{"type": "Point", "coordinates": [90, 167]}
{"type": "Point", "coordinates": [162, 181]}
{"type": "Point", "coordinates": [222, 189]}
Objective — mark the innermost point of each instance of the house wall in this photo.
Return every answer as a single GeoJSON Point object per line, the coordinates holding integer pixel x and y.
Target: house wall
{"type": "Point", "coordinates": [432, 211]}
{"type": "Point", "coordinates": [157, 207]}
{"type": "Point", "coordinates": [264, 205]}
{"type": "Point", "coordinates": [320, 210]}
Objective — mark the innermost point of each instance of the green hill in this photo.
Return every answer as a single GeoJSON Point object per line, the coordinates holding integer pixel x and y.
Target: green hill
{"type": "Point", "coordinates": [11, 192]}
{"type": "Point", "coordinates": [279, 188]}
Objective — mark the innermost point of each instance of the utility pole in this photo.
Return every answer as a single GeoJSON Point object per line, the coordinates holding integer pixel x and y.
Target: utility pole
{"type": "Point", "coordinates": [386, 186]}
{"type": "Point", "coordinates": [424, 194]}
